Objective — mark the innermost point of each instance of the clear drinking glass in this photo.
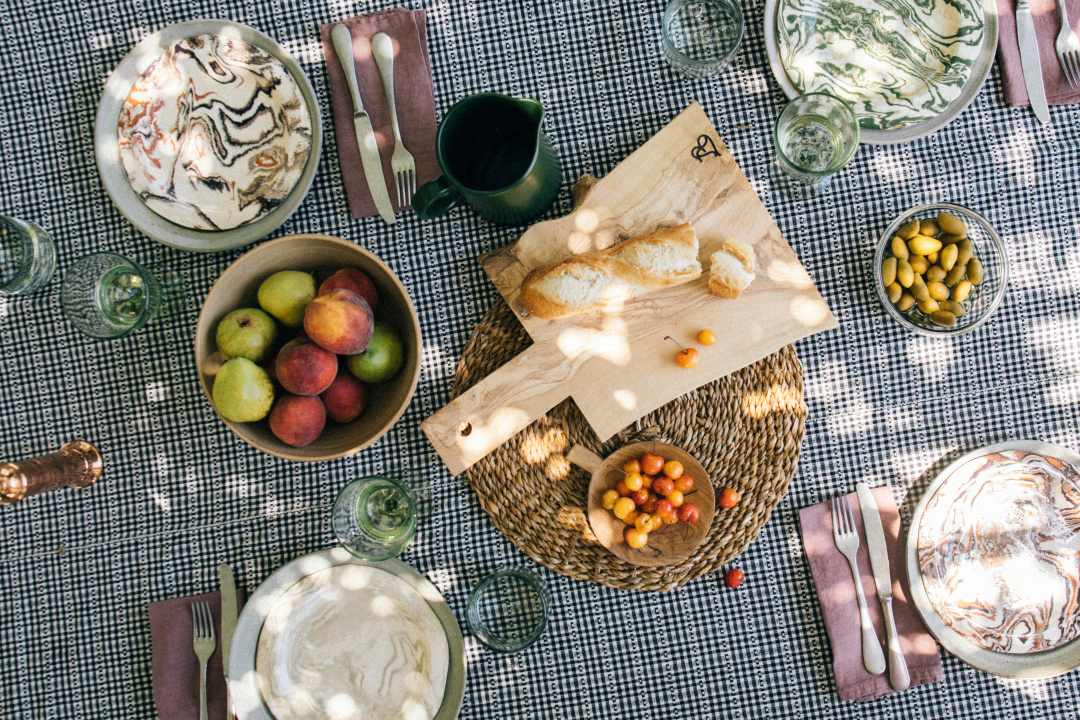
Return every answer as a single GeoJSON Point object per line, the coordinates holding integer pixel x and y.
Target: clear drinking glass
{"type": "Point", "coordinates": [508, 610]}
{"type": "Point", "coordinates": [27, 256]}
{"type": "Point", "coordinates": [815, 136]}
{"type": "Point", "coordinates": [700, 37]}
{"type": "Point", "coordinates": [107, 296]}
{"type": "Point", "coordinates": [374, 518]}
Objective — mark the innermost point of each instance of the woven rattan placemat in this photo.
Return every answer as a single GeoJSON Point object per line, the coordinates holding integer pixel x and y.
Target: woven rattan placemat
{"type": "Point", "coordinates": [746, 429]}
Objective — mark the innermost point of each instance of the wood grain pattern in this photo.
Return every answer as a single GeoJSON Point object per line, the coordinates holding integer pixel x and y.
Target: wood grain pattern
{"type": "Point", "coordinates": [615, 362]}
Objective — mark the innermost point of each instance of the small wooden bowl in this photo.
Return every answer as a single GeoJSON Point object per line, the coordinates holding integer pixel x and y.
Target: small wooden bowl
{"type": "Point", "coordinates": [320, 254]}
{"type": "Point", "coordinates": [667, 544]}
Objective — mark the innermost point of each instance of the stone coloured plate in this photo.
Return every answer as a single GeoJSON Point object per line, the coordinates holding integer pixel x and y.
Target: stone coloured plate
{"type": "Point", "coordinates": [909, 69]}
{"type": "Point", "coordinates": [107, 146]}
{"type": "Point", "coordinates": [1049, 663]}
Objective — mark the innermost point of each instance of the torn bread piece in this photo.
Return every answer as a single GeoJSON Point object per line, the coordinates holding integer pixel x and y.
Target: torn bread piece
{"type": "Point", "coordinates": [731, 269]}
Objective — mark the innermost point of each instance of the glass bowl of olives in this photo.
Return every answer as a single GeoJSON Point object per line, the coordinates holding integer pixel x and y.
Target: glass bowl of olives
{"type": "Point", "coordinates": [940, 270]}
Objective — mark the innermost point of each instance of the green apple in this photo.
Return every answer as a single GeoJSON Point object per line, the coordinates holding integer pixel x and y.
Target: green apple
{"type": "Point", "coordinates": [242, 391]}
{"type": "Point", "coordinates": [248, 333]}
{"type": "Point", "coordinates": [382, 359]}
{"type": "Point", "coordinates": [286, 295]}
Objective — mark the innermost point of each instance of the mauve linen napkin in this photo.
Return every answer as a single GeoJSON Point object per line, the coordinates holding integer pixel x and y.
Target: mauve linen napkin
{"type": "Point", "coordinates": [1047, 21]}
{"type": "Point", "coordinates": [175, 669]}
{"type": "Point", "coordinates": [836, 593]}
{"type": "Point", "coordinates": [414, 95]}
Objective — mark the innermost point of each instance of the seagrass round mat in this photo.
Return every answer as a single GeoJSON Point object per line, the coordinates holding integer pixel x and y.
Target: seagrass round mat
{"type": "Point", "coordinates": [746, 429]}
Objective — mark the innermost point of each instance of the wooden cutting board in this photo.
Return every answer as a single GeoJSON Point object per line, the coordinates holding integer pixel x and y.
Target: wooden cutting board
{"type": "Point", "coordinates": [614, 362]}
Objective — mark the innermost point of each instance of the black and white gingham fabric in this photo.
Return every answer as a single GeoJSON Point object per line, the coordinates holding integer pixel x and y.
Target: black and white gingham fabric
{"type": "Point", "coordinates": [181, 493]}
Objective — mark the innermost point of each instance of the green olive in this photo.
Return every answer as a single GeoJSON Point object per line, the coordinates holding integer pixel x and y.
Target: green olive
{"type": "Point", "coordinates": [899, 248]}
{"type": "Point", "coordinates": [906, 301]}
{"type": "Point", "coordinates": [923, 245]}
{"type": "Point", "coordinates": [888, 271]}
{"type": "Point", "coordinates": [961, 290]}
{"type": "Point", "coordinates": [932, 258]}
{"type": "Point", "coordinates": [956, 274]}
{"type": "Point", "coordinates": [919, 290]}
{"type": "Point", "coordinates": [954, 307]}
{"type": "Point", "coordinates": [929, 306]}
{"type": "Point", "coordinates": [929, 227]}
{"type": "Point", "coordinates": [937, 290]}
{"type": "Point", "coordinates": [948, 239]}
{"type": "Point", "coordinates": [948, 257]}
{"type": "Point", "coordinates": [909, 229]}
{"type": "Point", "coordinates": [936, 273]}
{"type": "Point", "coordinates": [944, 318]}
{"type": "Point", "coordinates": [895, 291]}
{"type": "Point", "coordinates": [975, 271]}
{"type": "Point", "coordinates": [965, 251]}
{"type": "Point", "coordinates": [904, 274]}
{"type": "Point", "coordinates": [951, 224]}
{"type": "Point", "coordinates": [919, 264]}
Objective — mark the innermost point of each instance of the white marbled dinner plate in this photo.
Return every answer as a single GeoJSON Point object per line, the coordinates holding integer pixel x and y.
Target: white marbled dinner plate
{"type": "Point", "coordinates": [303, 592]}
{"type": "Point", "coordinates": [107, 143]}
{"type": "Point", "coordinates": [889, 57]}
{"type": "Point", "coordinates": [1008, 564]}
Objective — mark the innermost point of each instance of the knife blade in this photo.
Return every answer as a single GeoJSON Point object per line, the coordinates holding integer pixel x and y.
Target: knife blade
{"type": "Point", "coordinates": [1029, 61]}
{"type": "Point", "coordinates": [228, 625]}
{"type": "Point", "coordinates": [365, 134]}
{"type": "Point", "coordinates": [879, 562]}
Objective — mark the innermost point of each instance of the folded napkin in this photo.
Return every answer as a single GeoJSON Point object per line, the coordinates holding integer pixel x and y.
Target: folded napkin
{"type": "Point", "coordinates": [414, 95]}
{"type": "Point", "coordinates": [1047, 26]}
{"type": "Point", "coordinates": [836, 593]}
{"type": "Point", "coordinates": [175, 667]}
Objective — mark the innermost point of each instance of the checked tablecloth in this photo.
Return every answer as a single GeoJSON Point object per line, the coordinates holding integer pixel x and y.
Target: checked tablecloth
{"type": "Point", "coordinates": [181, 493]}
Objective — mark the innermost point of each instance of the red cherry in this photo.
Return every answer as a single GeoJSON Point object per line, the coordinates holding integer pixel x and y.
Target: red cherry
{"type": "Point", "coordinates": [734, 578]}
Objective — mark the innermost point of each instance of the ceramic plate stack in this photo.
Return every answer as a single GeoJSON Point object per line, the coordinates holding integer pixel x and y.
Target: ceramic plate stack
{"type": "Point", "coordinates": [993, 559]}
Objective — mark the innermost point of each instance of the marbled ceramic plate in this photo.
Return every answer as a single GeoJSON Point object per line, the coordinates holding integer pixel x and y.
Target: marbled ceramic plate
{"type": "Point", "coordinates": [997, 531]}
{"type": "Point", "coordinates": [263, 608]}
{"type": "Point", "coordinates": [887, 56]}
{"type": "Point", "coordinates": [107, 145]}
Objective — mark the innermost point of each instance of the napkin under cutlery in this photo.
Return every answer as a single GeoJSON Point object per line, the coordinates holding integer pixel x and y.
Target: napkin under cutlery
{"type": "Point", "coordinates": [836, 593]}
{"type": "Point", "coordinates": [415, 101]}
{"type": "Point", "coordinates": [175, 668]}
{"type": "Point", "coordinates": [1047, 21]}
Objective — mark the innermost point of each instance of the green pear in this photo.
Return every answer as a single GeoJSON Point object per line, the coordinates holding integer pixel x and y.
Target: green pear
{"type": "Point", "coordinates": [242, 391]}
{"type": "Point", "coordinates": [248, 333]}
{"type": "Point", "coordinates": [383, 358]}
{"type": "Point", "coordinates": [286, 295]}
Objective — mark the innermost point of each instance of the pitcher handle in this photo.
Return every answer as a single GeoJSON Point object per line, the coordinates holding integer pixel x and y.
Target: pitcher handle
{"type": "Point", "coordinates": [435, 198]}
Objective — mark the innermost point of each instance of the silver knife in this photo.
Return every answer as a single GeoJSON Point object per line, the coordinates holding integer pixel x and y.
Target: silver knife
{"type": "Point", "coordinates": [228, 624]}
{"type": "Point", "coordinates": [365, 135]}
{"type": "Point", "coordinates": [879, 561]}
{"type": "Point", "coordinates": [1029, 61]}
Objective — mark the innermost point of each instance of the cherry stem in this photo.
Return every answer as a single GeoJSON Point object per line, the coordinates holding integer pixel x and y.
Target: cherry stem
{"type": "Point", "coordinates": [668, 337]}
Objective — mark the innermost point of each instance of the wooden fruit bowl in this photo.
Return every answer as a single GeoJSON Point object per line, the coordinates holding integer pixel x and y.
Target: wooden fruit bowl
{"type": "Point", "coordinates": [320, 254]}
{"type": "Point", "coordinates": [666, 545]}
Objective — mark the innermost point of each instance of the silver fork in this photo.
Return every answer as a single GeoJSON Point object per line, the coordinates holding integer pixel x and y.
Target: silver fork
{"type": "Point", "coordinates": [846, 538]}
{"type": "Point", "coordinates": [401, 162]}
{"type": "Point", "coordinates": [1068, 48]}
{"type": "Point", "coordinates": [205, 644]}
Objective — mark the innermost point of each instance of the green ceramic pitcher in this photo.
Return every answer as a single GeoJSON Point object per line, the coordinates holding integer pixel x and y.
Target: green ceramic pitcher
{"type": "Point", "coordinates": [495, 157]}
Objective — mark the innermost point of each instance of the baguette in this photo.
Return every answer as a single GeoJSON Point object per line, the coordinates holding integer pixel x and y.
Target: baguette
{"type": "Point", "coordinates": [731, 269]}
{"type": "Point", "coordinates": [593, 280]}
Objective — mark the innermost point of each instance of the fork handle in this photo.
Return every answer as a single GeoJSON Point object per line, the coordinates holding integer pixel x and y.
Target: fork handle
{"type": "Point", "coordinates": [872, 656]}
{"type": "Point", "coordinates": [382, 47]}
{"type": "Point", "coordinates": [203, 713]}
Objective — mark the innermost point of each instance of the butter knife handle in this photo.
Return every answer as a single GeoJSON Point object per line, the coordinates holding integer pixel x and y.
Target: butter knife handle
{"type": "Point", "coordinates": [342, 39]}
{"type": "Point", "coordinates": [898, 672]}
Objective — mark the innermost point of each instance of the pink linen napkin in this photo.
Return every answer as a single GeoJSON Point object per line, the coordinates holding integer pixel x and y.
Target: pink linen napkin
{"type": "Point", "coordinates": [414, 94]}
{"type": "Point", "coordinates": [1047, 21]}
{"type": "Point", "coordinates": [175, 669]}
{"type": "Point", "coordinates": [836, 593]}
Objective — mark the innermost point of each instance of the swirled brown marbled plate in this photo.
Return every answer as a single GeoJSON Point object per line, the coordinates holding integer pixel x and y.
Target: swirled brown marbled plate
{"type": "Point", "coordinates": [994, 559]}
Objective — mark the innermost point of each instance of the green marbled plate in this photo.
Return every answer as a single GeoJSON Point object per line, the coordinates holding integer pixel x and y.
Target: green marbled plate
{"type": "Point", "coordinates": [902, 62]}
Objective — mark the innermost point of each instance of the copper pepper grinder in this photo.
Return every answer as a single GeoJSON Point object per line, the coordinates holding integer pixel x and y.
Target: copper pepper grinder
{"type": "Point", "coordinates": [77, 464]}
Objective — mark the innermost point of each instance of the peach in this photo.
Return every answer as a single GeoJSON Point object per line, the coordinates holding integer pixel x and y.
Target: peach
{"type": "Point", "coordinates": [304, 368]}
{"type": "Point", "coordinates": [297, 419]}
{"type": "Point", "coordinates": [340, 321]}
{"type": "Point", "coordinates": [352, 279]}
{"type": "Point", "coordinates": [345, 398]}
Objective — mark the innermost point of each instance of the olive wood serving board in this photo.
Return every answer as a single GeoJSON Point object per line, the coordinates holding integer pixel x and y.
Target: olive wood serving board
{"type": "Point", "coordinates": [668, 544]}
{"type": "Point", "coordinates": [615, 362]}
